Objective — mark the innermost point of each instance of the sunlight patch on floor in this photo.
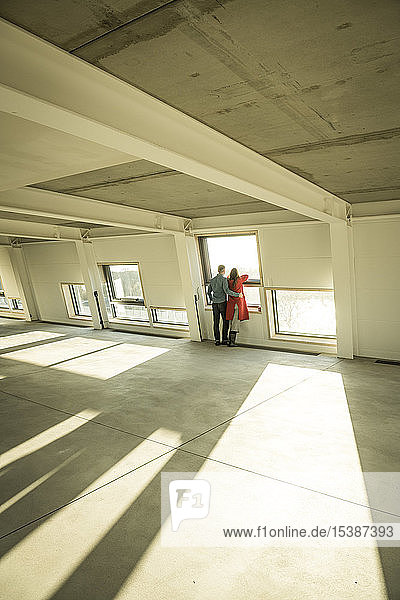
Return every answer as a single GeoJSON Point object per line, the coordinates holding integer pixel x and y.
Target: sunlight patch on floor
{"type": "Point", "coordinates": [111, 361]}
{"type": "Point", "coordinates": [273, 380]}
{"type": "Point", "coordinates": [20, 339]}
{"type": "Point", "coordinates": [39, 565]}
{"type": "Point", "coordinates": [54, 352]}
{"type": "Point", "coordinates": [47, 437]}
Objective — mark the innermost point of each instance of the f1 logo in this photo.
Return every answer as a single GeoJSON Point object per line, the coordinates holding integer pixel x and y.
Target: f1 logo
{"type": "Point", "coordinates": [189, 499]}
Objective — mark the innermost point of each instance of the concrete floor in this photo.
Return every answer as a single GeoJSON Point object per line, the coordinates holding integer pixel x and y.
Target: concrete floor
{"type": "Point", "coordinates": [80, 408]}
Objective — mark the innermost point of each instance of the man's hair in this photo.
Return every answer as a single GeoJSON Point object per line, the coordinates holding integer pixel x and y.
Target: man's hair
{"type": "Point", "coordinates": [221, 268]}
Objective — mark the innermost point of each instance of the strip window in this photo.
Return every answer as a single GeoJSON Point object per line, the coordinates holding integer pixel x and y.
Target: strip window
{"type": "Point", "coordinates": [169, 316]}
{"type": "Point", "coordinates": [16, 304]}
{"type": "Point", "coordinates": [303, 312]}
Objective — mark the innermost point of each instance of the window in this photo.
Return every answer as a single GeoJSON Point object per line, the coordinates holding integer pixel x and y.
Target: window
{"type": "Point", "coordinates": [80, 300]}
{"type": "Point", "coordinates": [16, 304]}
{"type": "Point", "coordinates": [76, 300]}
{"type": "Point", "coordinates": [240, 251]}
{"type": "Point", "coordinates": [252, 295]}
{"type": "Point", "coordinates": [130, 312]}
{"type": "Point", "coordinates": [123, 293]}
{"type": "Point", "coordinates": [124, 283]}
{"type": "Point", "coordinates": [169, 316]}
{"type": "Point", "coordinates": [304, 312]}
{"type": "Point", "coordinates": [3, 300]}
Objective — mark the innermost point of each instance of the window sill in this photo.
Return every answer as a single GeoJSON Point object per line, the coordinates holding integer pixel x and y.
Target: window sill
{"type": "Point", "coordinates": [175, 327]}
{"type": "Point", "coordinates": [305, 339]}
{"type": "Point", "coordinates": [79, 318]}
{"type": "Point", "coordinates": [130, 322]}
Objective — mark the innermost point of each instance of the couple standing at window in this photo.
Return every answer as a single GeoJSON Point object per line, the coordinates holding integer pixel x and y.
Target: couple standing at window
{"type": "Point", "coordinates": [232, 311]}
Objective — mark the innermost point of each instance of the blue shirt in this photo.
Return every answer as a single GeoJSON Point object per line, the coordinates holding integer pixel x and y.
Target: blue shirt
{"type": "Point", "coordinates": [218, 289]}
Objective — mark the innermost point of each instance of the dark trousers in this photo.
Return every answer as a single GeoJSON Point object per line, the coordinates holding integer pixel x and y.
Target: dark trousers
{"type": "Point", "coordinates": [219, 310]}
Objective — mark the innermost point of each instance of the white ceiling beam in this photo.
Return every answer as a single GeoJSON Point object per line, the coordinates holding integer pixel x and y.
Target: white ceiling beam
{"type": "Point", "coordinates": [41, 231]}
{"type": "Point", "coordinates": [44, 84]}
{"type": "Point", "coordinates": [43, 203]}
{"type": "Point", "coordinates": [245, 221]}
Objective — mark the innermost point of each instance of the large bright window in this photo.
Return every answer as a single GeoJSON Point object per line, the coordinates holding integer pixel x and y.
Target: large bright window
{"type": "Point", "coordinates": [238, 251]}
{"type": "Point", "coordinates": [304, 312]}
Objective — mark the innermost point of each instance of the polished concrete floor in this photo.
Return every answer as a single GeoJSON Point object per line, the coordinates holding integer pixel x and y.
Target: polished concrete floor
{"type": "Point", "coordinates": [90, 420]}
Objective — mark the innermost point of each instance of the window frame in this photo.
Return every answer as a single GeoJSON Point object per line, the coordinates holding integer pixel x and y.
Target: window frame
{"type": "Point", "coordinates": [110, 284]}
{"type": "Point", "coordinates": [167, 324]}
{"type": "Point", "coordinates": [104, 269]}
{"type": "Point", "coordinates": [3, 295]}
{"type": "Point", "coordinates": [273, 319]}
{"type": "Point", "coordinates": [205, 259]}
{"type": "Point", "coordinates": [14, 304]}
{"type": "Point", "coordinates": [74, 299]}
{"type": "Point", "coordinates": [68, 297]}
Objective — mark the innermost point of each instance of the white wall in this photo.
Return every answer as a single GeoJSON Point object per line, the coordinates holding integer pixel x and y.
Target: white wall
{"type": "Point", "coordinates": [292, 255]}
{"type": "Point", "coordinates": [296, 255]}
{"type": "Point", "coordinates": [377, 274]}
{"type": "Point", "coordinates": [9, 282]}
{"type": "Point", "coordinates": [50, 264]}
{"type": "Point", "coordinates": [158, 263]}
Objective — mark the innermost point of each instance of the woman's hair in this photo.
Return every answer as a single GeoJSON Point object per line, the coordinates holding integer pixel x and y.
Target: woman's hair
{"type": "Point", "coordinates": [234, 275]}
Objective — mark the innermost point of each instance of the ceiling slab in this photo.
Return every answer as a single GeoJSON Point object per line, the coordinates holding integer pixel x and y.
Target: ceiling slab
{"type": "Point", "coordinates": [143, 184]}
{"type": "Point", "coordinates": [362, 166]}
{"type": "Point", "coordinates": [31, 152]}
{"type": "Point", "coordinates": [70, 24]}
{"type": "Point", "coordinates": [269, 75]}
{"type": "Point", "coordinates": [313, 86]}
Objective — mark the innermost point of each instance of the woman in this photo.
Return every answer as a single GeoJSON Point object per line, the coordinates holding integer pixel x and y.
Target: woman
{"type": "Point", "coordinates": [236, 309]}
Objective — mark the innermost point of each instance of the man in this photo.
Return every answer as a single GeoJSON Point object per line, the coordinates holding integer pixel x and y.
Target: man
{"type": "Point", "coordinates": [217, 292]}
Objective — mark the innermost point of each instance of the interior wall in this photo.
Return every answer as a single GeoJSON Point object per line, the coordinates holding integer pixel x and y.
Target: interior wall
{"type": "Point", "coordinates": [291, 255]}
{"type": "Point", "coordinates": [9, 282]}
{"type": "Point", "coordinates": [158, 264]}
{"type": "Point", "coordinates": [50, 264]}
{"type": "Point", "coordinates": [377, 282]}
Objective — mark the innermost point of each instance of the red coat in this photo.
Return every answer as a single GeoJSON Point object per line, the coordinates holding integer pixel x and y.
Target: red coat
{"type": "Point", "coordinates": [243, 310]}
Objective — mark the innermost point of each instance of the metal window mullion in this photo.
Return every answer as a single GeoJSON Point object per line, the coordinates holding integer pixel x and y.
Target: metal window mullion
{"type": "Point", "coordinates": [75, 305]}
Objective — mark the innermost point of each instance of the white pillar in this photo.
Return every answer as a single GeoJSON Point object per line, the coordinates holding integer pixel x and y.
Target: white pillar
{"type": "Point", "coordinates": [189, 276]}
{"type": "Point", "coordinates": [91, 279]}
{"type": "Point", "coordinates": [24, 284]}
{"type": "Point", "coordinates": [343, 281]}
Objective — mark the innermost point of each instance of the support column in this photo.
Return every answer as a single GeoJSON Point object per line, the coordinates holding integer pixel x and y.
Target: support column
{"type": "Point", "coordinates": [187, 270]}
{"type": "Point", "coordinates": [343, 280]}
{"type": "Point", "coordinates": [91, 279]}
{"type": "Point", "coordinates": [24, 284]}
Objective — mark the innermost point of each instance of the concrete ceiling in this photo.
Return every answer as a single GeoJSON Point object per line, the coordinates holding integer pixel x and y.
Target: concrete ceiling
{"type": "Point", "coordinates": [312, 85]}
{"type": "Point", "coordinates": [143, 184]}
{"type": "Point", "coordinates": [31, 152]}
